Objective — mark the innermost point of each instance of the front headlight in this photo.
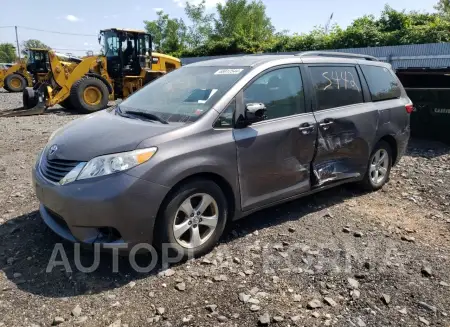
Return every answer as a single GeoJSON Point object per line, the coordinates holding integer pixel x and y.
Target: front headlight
{"type": "Point", "coordinates": [114, 163]}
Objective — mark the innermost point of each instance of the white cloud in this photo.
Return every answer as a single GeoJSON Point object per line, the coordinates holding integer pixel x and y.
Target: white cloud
{"type": "Point", "coordinates": [158, 9]}
{"type": "Point", "coordinates": [209, 4]}
{"type": "Point", "coordinates": [111, 16]}
{"type": "Point", "coordinates": [72, 18]}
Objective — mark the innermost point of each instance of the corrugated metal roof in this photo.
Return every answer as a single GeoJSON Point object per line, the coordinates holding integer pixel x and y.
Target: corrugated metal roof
{"type": "Point", "coordinates": [432, 55]}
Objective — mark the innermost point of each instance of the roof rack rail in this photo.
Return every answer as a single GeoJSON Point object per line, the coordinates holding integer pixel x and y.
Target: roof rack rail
{"type": "Point", "coordinates": [336, 54]}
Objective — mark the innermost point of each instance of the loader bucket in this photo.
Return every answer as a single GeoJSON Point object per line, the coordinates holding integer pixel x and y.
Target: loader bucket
{"type": "Point", "coordinates": [33, 104]}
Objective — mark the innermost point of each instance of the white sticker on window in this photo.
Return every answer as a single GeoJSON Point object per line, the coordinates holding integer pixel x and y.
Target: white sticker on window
{"type": "Point", "coordinates": [228, 71]}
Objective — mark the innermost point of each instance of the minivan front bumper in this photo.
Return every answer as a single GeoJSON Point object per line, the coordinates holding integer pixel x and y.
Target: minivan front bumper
{"type": "Point", "coordinates": [114, 209]}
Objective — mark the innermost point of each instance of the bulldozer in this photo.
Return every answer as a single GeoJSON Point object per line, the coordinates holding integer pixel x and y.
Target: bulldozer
{"type": "Point", "coordinates": [125, 66]}
{"type": "Point", "coordinates": [28, 72]}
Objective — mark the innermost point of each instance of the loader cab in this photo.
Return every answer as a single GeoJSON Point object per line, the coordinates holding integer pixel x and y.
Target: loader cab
{"type": "Point", "coordinates": [126, 51]}
{"type": "Point", "coordinates": [38, 61]}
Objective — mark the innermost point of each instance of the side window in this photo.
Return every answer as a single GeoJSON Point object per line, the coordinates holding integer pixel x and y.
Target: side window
{"type": "Point", "coordinates": [225, 119]}
{"type": "Point", "coordinates": [336, 86]}
{"type": "Point", "coordinates": [280, 90]}
{"type": "Point", "coordinates": [383, 85]}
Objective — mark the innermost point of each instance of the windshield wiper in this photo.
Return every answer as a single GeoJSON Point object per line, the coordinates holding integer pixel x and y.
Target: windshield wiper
{"type": "Point", "coordinates": [147, 115]}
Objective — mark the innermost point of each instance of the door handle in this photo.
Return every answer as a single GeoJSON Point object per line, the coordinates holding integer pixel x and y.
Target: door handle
{"type": "Point", "coordinates": [326, 124]}
{"type": "Point", "coordinates": [306, 128]}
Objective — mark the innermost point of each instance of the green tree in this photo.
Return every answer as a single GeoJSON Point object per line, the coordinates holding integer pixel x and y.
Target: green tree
{"type": "Point", "coordinates": [168, 35]}
{"type": "Point", "coordinates": [201, 28]}
{"type": "Point", "coordinates": [245, 25]}
{"type": "Point", "coordinates": [443, 8]}
{"type": "Point", "coordinates": [32, 43]}
{"type": "Point", "coordinates": [7, 52]}
{"type": "Point", "coordinates": [242, 26]}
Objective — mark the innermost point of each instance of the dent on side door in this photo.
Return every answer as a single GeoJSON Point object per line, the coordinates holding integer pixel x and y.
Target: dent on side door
{"type": "Point", "coordinates": [346, 130]}
{"type": "Point", "coordinates": [342, 147]}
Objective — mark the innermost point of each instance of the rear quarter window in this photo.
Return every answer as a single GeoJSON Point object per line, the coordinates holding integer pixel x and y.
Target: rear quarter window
{"type": "Point", "coordinates": [336, 86]}
{"type": "Point", "coordinates": [383, 85]}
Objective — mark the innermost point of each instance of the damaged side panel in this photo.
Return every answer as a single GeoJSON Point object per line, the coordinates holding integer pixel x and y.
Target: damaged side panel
{"type": "Point", "coordinates": [344, 145]}
{"type": "Point", "coordinates": [332, 171]}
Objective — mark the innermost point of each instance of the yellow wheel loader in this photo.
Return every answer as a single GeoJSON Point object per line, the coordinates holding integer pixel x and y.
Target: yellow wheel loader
{"type": "Point", "coordinates": [125, 67]}
{"type": "Point", "coordinates": [30, 71]}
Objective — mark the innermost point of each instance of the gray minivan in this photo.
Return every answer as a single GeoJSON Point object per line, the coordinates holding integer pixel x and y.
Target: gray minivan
{"type": "Point", "coordinates": [217, 140]}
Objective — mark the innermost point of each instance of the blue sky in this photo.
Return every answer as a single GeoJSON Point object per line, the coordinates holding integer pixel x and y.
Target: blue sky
{"type": "Point", "coordinates": [88, 17]}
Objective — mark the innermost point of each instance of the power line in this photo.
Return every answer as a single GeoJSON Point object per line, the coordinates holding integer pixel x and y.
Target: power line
{"type": "Point", "coordinates": [54, 32]}
{"type": "Point", "coordinates": [70, 49]}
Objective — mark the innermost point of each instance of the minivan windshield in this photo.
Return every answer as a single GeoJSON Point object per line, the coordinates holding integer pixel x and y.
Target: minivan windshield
{"type": "Point", "coordinates": [184, 94]}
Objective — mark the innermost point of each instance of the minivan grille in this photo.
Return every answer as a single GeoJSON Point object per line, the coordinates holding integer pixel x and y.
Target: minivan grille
{"type": "Point", "coordinates": [55, 169]}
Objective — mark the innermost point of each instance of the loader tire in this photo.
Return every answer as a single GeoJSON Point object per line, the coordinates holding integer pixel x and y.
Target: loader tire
{"type": "Point", "coordinates": [29, 98]}
{"type": "Point", "coordinates": [15, 83]}
{"type": "Point", "coordinates": [67, 104]}
{"type": "Point", "coordinates": [88, 95]}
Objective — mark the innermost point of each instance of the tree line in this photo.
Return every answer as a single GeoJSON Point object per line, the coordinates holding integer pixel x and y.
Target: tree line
{"type": "Point", "coordinates": [8, 52]}
{"type": "Point", "coordinates": [243, 26]}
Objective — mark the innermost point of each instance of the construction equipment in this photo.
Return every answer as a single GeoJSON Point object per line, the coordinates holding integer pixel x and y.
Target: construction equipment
{"type": "Point", "coordinates": [30, 71]}
{"type": "Point", "coordinates": [125, 67]}
{"type": "Point", "coordinates": [18, 76]}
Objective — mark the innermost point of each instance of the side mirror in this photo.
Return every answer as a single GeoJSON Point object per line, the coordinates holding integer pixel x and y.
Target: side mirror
{"type": "Point", "coordinates": [254, 112]}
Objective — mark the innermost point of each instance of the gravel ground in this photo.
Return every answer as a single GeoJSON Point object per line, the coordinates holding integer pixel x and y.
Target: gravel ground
{"type": "Point", "coordinates": [338, 258]}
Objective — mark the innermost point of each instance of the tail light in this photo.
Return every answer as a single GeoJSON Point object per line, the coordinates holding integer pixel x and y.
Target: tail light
{"type": "Point", "coordinates": [409, 108]}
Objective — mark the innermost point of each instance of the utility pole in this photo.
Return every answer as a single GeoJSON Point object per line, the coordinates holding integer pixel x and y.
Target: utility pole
{"type": "Point", "coordinates": [327, 25]}
{"type": "Point", "coordinates": [17, 41]}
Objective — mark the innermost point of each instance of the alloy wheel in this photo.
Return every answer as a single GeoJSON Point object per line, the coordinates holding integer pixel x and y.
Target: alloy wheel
{"type": "Point", "coordinates": [196, 220]}
{"type": "Point", "coordinates": [379, 166]}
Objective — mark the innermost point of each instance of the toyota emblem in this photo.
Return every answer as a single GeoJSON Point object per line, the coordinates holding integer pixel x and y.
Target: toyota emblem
{"type": "Point", "coordinates": [52, 149]}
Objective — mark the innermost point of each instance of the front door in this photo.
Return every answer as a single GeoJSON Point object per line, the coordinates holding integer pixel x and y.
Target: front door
{"type": "Point", "coordinates": [346, 124]}
{"type": "Point", "coordinates": [274, 155]}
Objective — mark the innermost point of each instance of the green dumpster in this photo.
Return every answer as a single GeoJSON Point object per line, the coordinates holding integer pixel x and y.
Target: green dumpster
{"type": "Point", "coordinates": [431, 116]}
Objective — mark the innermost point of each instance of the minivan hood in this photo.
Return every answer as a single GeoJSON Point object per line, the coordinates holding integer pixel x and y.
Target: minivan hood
{"type": "Point", "coordinates": [104, 133]}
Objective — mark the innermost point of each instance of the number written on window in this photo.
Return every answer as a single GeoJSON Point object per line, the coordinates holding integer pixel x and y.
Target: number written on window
{"type": "Point", "coordinates": [336, 86]}
{"type": "Point", "coordinates": [342, 79]}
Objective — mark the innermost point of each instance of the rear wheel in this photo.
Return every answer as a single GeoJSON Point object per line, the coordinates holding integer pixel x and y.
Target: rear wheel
{"type": "Point", "coordinates": [29, 98]}
{"type": "Point", "coordinates": [15, 83]}
{"type": "Point", "coordinates": [88, 95]}
{"type": "Point", "coordinates": [378, 168]}
{"type": "Point", "coordinates": [192, 219]}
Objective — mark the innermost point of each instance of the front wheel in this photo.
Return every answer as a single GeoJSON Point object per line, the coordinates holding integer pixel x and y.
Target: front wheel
{"type": "Point", "coordinates": [29, 98]}
{"type": "Point", "coordinates": [89, 94]}
{"type": "Point", "coordinates": [379, 167]}
{"type": "Point", "coordinates": [192, 219]}
{"type": "Point", "coordinates": [15, 83]}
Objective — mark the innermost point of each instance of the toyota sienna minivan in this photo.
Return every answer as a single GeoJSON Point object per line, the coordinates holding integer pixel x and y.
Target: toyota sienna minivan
{"type": "Point", "coordinates": [217, 140]}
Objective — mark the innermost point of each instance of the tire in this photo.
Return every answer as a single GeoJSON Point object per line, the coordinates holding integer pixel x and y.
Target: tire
{"type": "Point", "coordinates": [81, 91]}
{"type": "Point", "coordinates": [369, 183]}
{"type": "Point", "coordinates": [170, 214]}
{"type": "Point", "coordinates": [66, 104]}
{"type": "Point", "coordinates": [15, 83]}
{"type": "Point", "coordinates": [29, 98]}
